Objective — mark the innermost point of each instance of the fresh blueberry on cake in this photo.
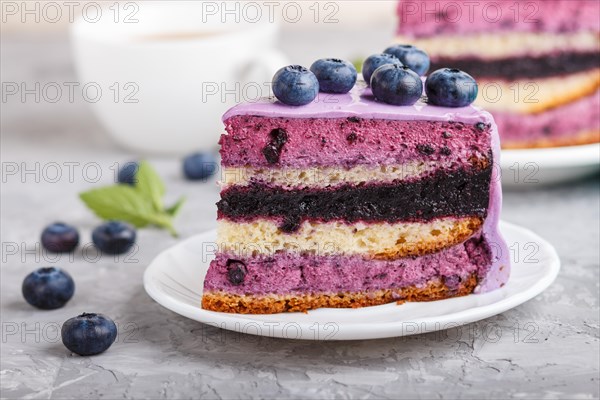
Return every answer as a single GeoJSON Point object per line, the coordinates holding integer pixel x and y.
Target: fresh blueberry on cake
{"type": "Point", "coordinates": [295, 85]}
{"type": "Point", "coordinates": [451, 87]}
{"type": "Point", "coordinates": [414, 58]}
{"type": "Point", "coordinates": [537, 62]}
{"type": "Point", "coordinates": [396, 84]}
{"type": "Point", "coordinates": [375, 61]}
{"type": "Point", "coordinates": [334, 75]}
{"type": "Point", "coordinates": [355, 202]}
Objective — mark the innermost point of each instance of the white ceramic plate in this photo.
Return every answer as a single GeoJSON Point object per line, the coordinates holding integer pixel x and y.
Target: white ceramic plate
{"type": "Point", "coordinates": [175, 279]}
{"type": "Point", "coordinates": [536, 167]}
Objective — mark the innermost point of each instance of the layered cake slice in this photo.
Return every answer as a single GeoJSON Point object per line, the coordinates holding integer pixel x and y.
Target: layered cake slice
{"type": "Point", "coordinates": [347, 202]}
{"type": "Point", "coordinates": [537, 62]}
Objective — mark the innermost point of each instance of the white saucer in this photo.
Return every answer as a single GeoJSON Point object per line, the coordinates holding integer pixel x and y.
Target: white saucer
{"type": "Point", "coordinates": [547, 166]}
{"type": "Point", "coordinates": [175, 278]}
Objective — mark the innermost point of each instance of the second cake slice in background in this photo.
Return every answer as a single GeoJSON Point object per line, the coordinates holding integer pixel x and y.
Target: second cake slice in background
{"type": "Point", "coordinates": [537, 62]}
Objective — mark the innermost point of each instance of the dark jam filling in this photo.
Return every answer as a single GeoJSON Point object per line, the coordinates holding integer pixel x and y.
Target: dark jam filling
{"type": "Point", "coordinates": [523, 67]}
{"type": "Point", "coordinates": [459, 193]}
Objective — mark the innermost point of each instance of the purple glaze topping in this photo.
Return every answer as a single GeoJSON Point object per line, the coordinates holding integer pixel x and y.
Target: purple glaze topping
{"type": "Point", "coordinates": [499, 271]}
{"type": "Point", "coordinates": [359, 103]}
{"type": "Point", "coordinates": [287, 273]}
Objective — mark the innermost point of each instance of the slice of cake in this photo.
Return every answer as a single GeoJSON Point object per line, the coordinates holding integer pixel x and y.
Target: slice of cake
{"type": "Point", "coordinates": [348, 202]}
{"type": "Point", "coordinates": [537, 62]}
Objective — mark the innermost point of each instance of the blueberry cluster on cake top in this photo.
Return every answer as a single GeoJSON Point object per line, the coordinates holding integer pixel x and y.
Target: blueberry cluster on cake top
{"type": "Point", "coordinates": [339, 192]}
{"type": "Point", "coordinates": [394, 77]}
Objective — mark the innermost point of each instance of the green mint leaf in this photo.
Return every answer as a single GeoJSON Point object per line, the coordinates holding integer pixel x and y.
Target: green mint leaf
{"type": "Point", "coordinates": [119, 202]}
{"type": "Point", "coordinates": [140, 205]}
{"type": "Point", "coordinates": [164, 221]}
{"type": "Point", "coordinates": [358, 62]}
{"type": "Point", "coordinates": [150, 185]}
{"type": "Point", "coordinates": [174, 209]}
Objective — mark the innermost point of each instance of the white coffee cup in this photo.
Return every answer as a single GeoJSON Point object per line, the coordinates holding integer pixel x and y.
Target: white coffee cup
{"type": "Point", "coordinates": [166, 79]}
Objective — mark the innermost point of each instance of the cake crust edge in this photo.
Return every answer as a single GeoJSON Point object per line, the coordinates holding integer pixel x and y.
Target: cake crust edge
{"type": "Point", "coordinates": [272, 304]}
{"type": "Point", "coordinates": [583, 138]}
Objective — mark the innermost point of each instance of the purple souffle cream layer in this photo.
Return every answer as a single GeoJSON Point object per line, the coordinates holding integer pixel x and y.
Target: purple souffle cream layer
{"type": "Point", "coordinates": [350, 129]}
{"type": "Point", "coordinates": [291, 274]}
{"type": "Point", "coordinates": [381, 234]}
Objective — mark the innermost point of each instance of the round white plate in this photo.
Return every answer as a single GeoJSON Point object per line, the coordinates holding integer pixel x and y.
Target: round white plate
{"type": "Point", "coordinates": [175, 279]}
{"type": "Point", "coordinates": [536, 167]}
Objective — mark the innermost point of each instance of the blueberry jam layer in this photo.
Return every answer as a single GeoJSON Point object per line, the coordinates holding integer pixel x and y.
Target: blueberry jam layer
{"type": "Point", "coordinates": [458, 193]}
{"type": "Point", "coordinates": [256, 141]}
{"type": "Point", "coordinates": [288, 273]}
{"type": "Point", "coordinates": [523, 67]}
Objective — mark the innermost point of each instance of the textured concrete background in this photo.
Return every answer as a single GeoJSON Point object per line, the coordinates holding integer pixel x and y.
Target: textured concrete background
{"type": "Point", "coordinates": [546, 348]}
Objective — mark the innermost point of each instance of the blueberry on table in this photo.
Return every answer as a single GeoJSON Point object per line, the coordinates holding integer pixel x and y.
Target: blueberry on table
{"type": "Point", "coordinates": [334, 75]}
{"type": "Point", "coordinates": [88, 334]}
{"type": "Point", "coordinates": [199, 166]}
{"type": "Point", "coordinates": [414, 58]}
{"type": "Point", "coordinates": [450, 87]}
{"type": "Point", "coordinates": [375, 61]}
{"type": "Point", "coordinates": [114, 237]}
{"type": "Point", "coordinates": [396, 84]}
{"type": "Point", "coordinates": [294, 85]}
{"type": "Point", "coordinates": [60, 238]}
{"type": "Point", "coordinates": [48, 288]}
{"type": "Point", "coordinates": [127, 173]}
